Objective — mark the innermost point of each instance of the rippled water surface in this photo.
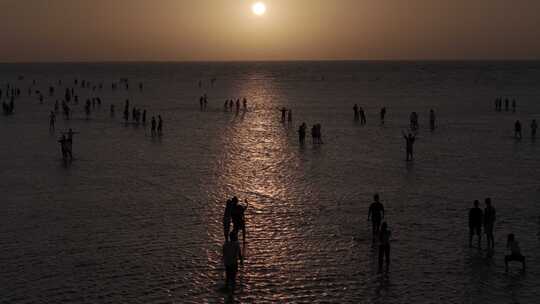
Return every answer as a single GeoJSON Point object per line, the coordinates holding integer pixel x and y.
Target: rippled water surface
{"type": "Point", "coordinates": [136, 219]}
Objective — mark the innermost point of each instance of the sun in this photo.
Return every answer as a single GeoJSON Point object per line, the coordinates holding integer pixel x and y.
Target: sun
{"type": "Point", "coordinates": [258, 8]}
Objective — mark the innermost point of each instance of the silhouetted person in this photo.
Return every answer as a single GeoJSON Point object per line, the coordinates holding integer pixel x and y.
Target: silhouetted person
{"type": "Point", "coordinates": [52, 120]}
{"type": "Point", "coordinates": [475, 223]}
{"type": "Point", "coordinates": [160, 126]}
{"type": "Point", "coordinates": [231, 254]}
{"type": "Point", "coordinates": [112, 110]}
{"type": "Point", "coordinates": [517, 129]}
{"type": "Point", "coordinates": [376, 215]}
{"type": "Point", "coordinates": [414, 121]}
{"type": "Point", "coordinates": [432, 120]}
{"type": "Point", "coordinates": [302, 133]}
{"type": "Point", "coordinates": [534, 126]}
{"type": "Point", "coordinates": [238, 218]}
{"type": "Point", "coordinates": [384, 247]}
{"type": "Point", "coordinates": [153, 127]}
{"type": "Point", "coordinates": [144, 117]}
{"type": "Point", "coordinates": [356, 113]}
{"type": "Point", "coordinates": [362, 116]}
{"type": "Point", "coordinates": [201, 103]}
{"type": "Point", "coordinates": [289, 116]}
{"type": "Point", "coordinates": [238, 105]}
{"type": "Point", "coordinates": [515, 252]}
{"type": "Point", "coordinates": [513, 105]}
{"type": "Point", "coordinates": [244, 102]}
{"type": "Point", "coordinates": [63, 148]}
{"type": "Point", "coordinates": [227, 218]}
{"type": "Point", "coordinates": [489, 223]}
{"type": "Point", "coordinates": [506, 103]}
{"type": "Point", "coordinates": [409, 139]}
{"type": "Point", "coordinates": [383, 114]}
{"type": "Point", "coordinates": [283, 114]}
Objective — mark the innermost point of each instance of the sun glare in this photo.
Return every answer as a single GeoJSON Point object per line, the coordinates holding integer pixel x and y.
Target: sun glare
{"type": "Point", "coordinates": [258, 8]}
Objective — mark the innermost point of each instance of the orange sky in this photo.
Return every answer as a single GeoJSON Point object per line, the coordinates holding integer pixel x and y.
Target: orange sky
{"type": "Point", "coordinates": [179, 30]}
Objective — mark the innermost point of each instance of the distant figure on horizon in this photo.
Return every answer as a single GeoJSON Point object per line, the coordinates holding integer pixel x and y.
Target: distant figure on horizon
{"type": "Point", "coordinates": [513, 106]}
{"type": "Point", "coordinates": [475, 223]}
{"type": "Point", "coordinates": [302, 133]}
{"type": "Point", "coordinates": [383, 114]}
{"type": "Point", "coordinates": [362, 116]}
{"type": "Point", "coordinates": [52, 120]}
{"type": "Point", "coordinates": [409, 140]}
{"type": "Point", "coordinates": [231, 254]}
{"type": "Point", "coordinates": [160, 126]}
{"type": "Point", "coordinates": [432, 120]}
{"type": "Point", "coordinates": [414, 121]}
{"type": "Point", "coordinates": [534, 126]}
{"type": "Point", "coordinates": [283, 114]}
{"type": "Point", "coordinates": [153, 126]}
{"type": "Point", "coordinates": [515, 252]}
{"type": "Point", "coordinates": [376, 215]}
{"type": "Point", "coordinates": [517, 130]}
{"type": "Point", "coordinates": [489, 223]}
{"type": "Point", "coordinates": [506, 103]}
{"type": "Point", "coordinates": [289, 116]}
{"type": "Point", "coordinates": [384, 247]}
{"type": "Point", "coordinates": [356, 113]}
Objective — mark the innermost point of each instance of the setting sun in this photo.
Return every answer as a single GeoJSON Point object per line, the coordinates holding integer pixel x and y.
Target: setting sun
{"type": "Point", "coordinates": [258, 8]}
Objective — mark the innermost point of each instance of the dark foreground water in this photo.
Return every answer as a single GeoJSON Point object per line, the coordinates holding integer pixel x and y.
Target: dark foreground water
{"type": "Point", "coordinates": [136, 219]}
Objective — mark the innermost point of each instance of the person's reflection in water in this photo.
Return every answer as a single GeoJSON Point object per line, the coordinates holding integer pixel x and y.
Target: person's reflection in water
{"type": "Point", "coordinates": [384, 247]}
{"type": "Point", "coordinates": [231, 254]}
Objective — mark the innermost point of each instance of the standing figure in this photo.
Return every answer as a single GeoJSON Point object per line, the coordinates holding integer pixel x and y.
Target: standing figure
{"type": "Point", "coordinates": [431, 120]}
{"type": "Point", "coordinates": [302, 133]}
{"type": "Point", "coordinates": [409, 139]}
{"type": "Point", "coordinates": [245, 104]}
{"type": "Point", "coordinates": [283, 114]}
{"type": "Point", "coordinates": [475, 223]}
{"type": "Point", "coordinates": [362, 116]}
{"type": "Point", "coordinates": [52, 120]}
{"type": "Point", "coordinates": [534, 126]}
{"type": "Point", "coordinates": [489, 223]}
{"type": "Point", "coordinates": [383, 114]}
{"type": "Point", "coordinates": [376, 215]}
{"type": "Point", "coordinates": [160, 126]}
{"type": "Point", "coordinates": [227, 217]}
{"type": "Point", "coordinates": [289, 116]}
{"type": "Point", "coordinates": [153, 127]}
{"type": "Point", "coordinates": [356, 115]}
{"type": "Point", "coordinates": [513, 106]}
{"type": "Point", "coordinates": [238, 217]}
{"type": "Point", "coordinates": [517, 130]}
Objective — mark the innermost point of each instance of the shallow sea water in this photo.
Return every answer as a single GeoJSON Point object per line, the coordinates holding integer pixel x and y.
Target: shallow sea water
{"type": "Point", "coordinates": [137, 219]}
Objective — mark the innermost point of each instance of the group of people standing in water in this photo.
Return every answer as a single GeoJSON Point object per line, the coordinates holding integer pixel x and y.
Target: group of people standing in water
{"type": "Point", "coordinates": [486, 219]}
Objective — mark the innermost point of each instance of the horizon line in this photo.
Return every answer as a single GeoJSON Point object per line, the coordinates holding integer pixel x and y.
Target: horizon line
{"type": "Point", "coordinates": [264, 61]}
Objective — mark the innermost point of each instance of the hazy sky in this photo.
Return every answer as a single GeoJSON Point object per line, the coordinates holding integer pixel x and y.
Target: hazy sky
{"type": "Point", "coordinates": [122, 30]}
